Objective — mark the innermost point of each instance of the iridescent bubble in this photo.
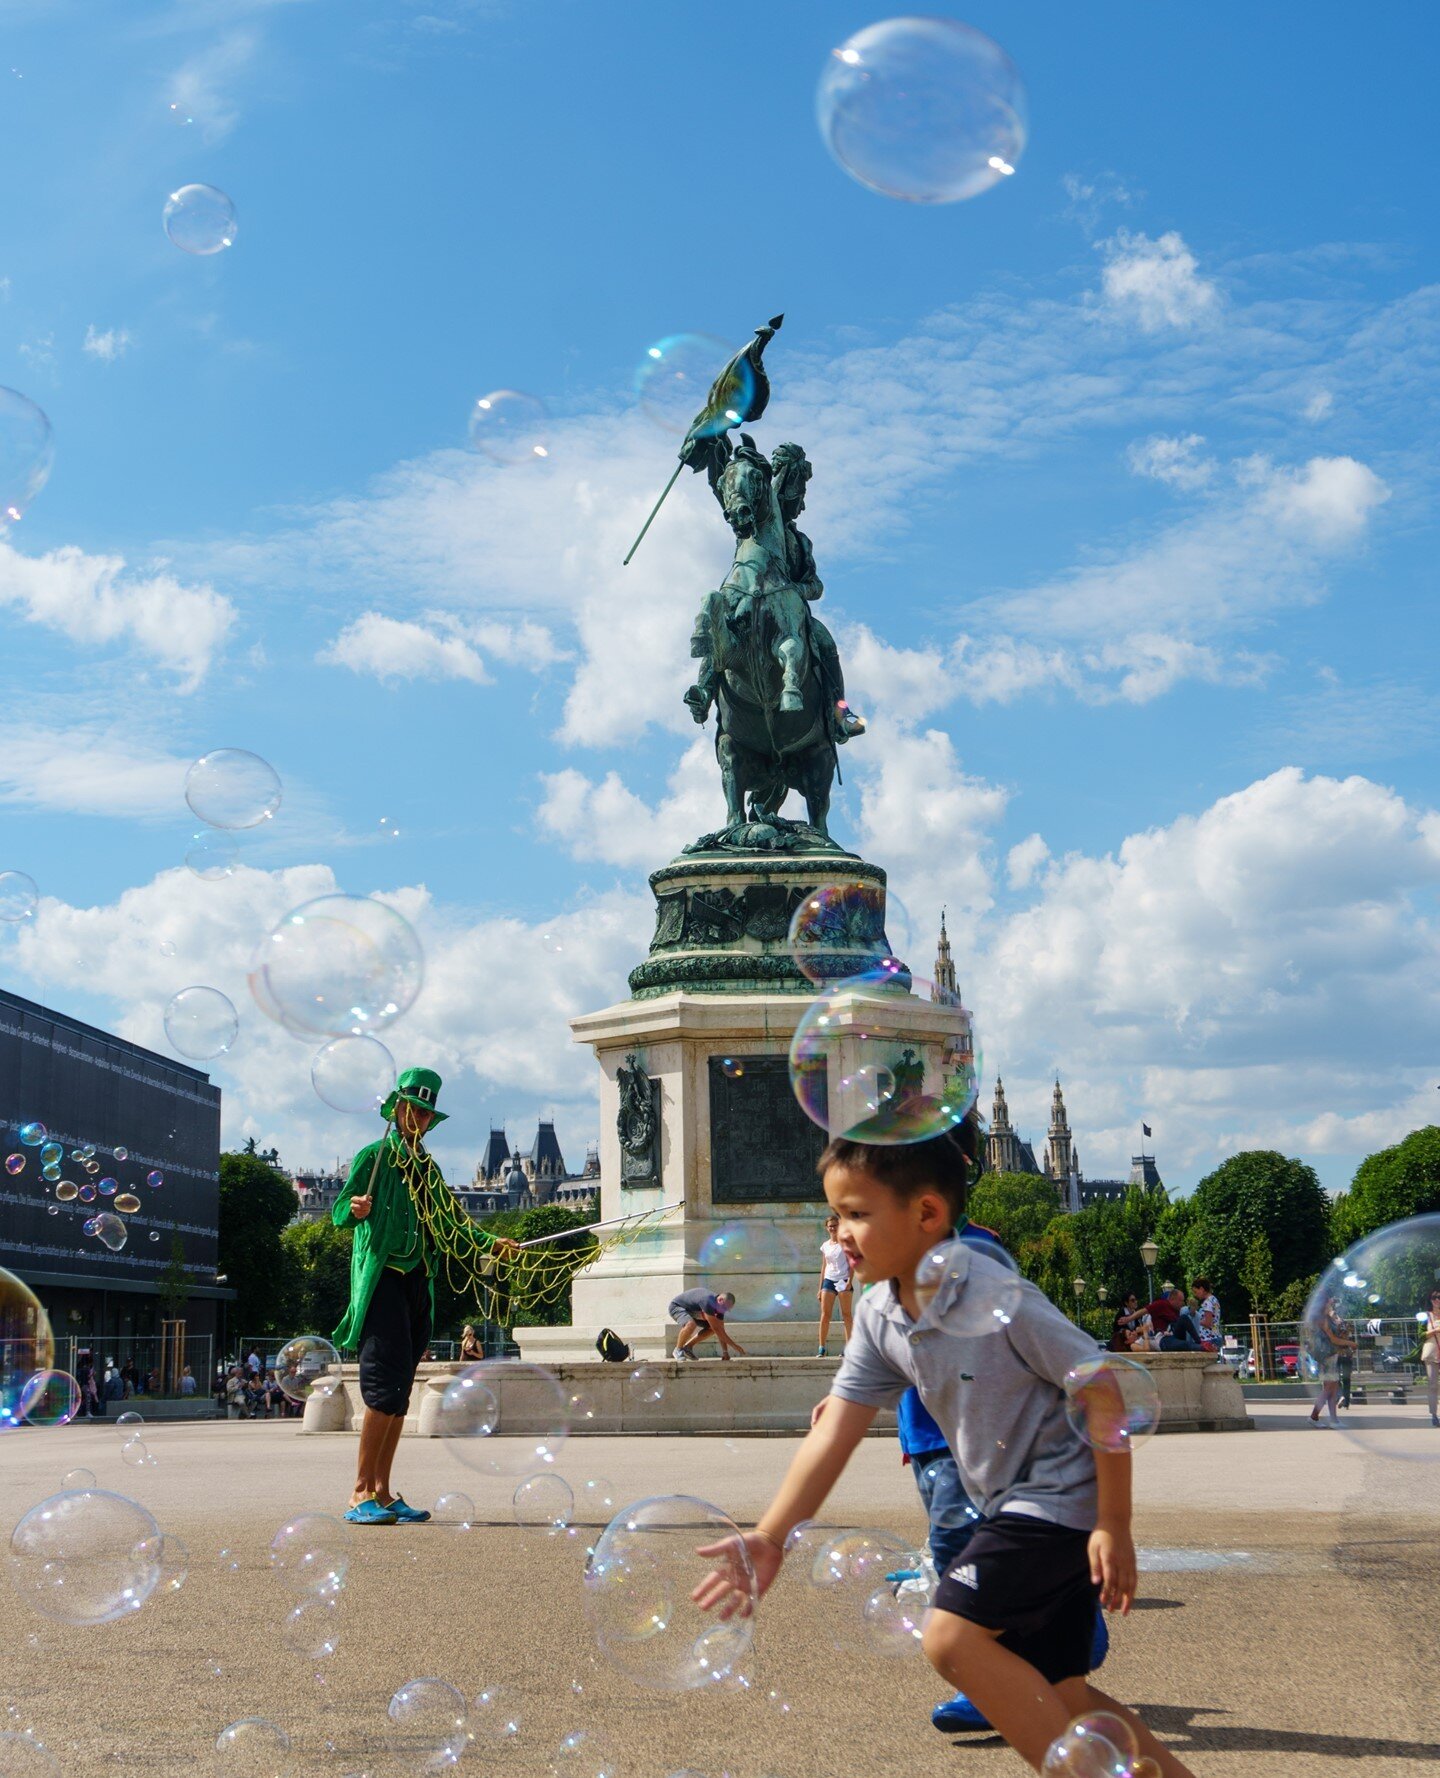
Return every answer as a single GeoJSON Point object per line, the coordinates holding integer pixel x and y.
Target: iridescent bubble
{"type": "Point", "coordinates": [27, 451]}
{"type": "Point", "coordinates": [584, 1753]}
{"type": "Point", "coordinates": [107, 1187]}
{"type": "Point", "coordinates": [52, 1209]}
{"type": "Point", "coordinates": [84, 1558]}
{"type": "Point", "coordinates": [110, 1231]}
{"type": "Point", "coordinates": [200, 219]}
{"type": "Point", "coordinates": [27, 1346]}
{"type": "Point", "coordinates": [50, 1153]}
{"type": "Point", "coordinates": [857, 1072]}
{"type": "Point", "coordinates": [847, 928]}
{"type": "Point", "coordinates": [338, 965]}
{"type": "Point", "coordinates": [127, 1203]}
{"type": "Point", "coordinates": [88, 1226]}
{"type": "Point", "coordinates": [1104, 1725]}
{"type": "Point", "coordinates": [638, 1588]}
{"type": "Point", "coordinates": [166, 947]}
{"type": "Point", "coordinates": [85, 1192]}
{"type": "Point", "coordinates": [253, 1748]}
{"type": "Point", "coordinates": [201, 1023]}
{"type": "Point", "coordinates": [23, 1755]}
{"type": "Point", "coordinates": [455, 1509]}
{"type": "Point", "coordinates": [306, 1366]}
{"type": "Point", "coordinates": [430, 1724]}
{"type": "Point", "coordinates": [232, 788]}
{"type": "Point", "coordinates": [675, 376]}
{"type": "Point", "coordinates": [49, 1398]}
{"type": "Point", "coordinates": [32, 1135]}
{"type": "Point", "coordinates": [1113, 1403]}
{"type": "Point", "coordinates": [732, 1067]}
{"type": "Point", "coordinates": [925, 109]}
{"type": "Point", "coordinates": [503, 1417]}
{"type": "Point", "coordinates": [311, 1553]}
{"type": "Point", "coordinates": [155, 1179]}
{"type": "Point", "coordinates": [86, 1152]}
{"type": "Point", "coordinates": [14, 1164]}
{"type": "Point", "coordinates": [647, 1383]}
{"type": "Point", "coordinates": [154, 1235]}
{"type": "Point", "coordinates": [544, 1503]}
{"type": "Point", "coordinates": [1078, 1755]}
{"type": "Point", "coordinates": [121, 1154]}
{"type": "Point", "coordinates": [509, 427]}
{"type": "Point", "coordinates": [1390, 1279]}
{"type": "Point", "coordinates": [494, 1715]}
{"type": "Point", "coordinates": [92, 1166]}
{"type": "Point", "coordinates": [847, 1569]}
{"type": "Point", "coordinates": [967, 1287]}
{"type": "Point", "coordinates": [758, 1262]}
{"type": "Point", "coordinates": [313, 1628]}
{"type": "Point", "coordinates": [211, 856]}
{"type": "Point", "coordinates": [353, 1074]}
{"type": "Point", "coordinates": [77, 1479]}
{"type": "Point", "coordinates": [51, 1173]}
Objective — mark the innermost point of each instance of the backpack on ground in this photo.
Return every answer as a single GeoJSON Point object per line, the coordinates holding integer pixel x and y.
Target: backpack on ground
{"type": "Point", "coordinates": [611, 1347]}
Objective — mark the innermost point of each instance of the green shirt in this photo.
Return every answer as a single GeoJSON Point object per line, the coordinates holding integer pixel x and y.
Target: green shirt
{"type": "Point", "coordinates": [390, 1235]}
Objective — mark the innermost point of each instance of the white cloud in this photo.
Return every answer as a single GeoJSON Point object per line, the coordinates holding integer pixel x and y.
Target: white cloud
{"type": "Point", "coordinates": [391, 649]}
{"type": "Point", "coordinates": [1088, 197]}
{"type": "Point", "coordinates": [94, 601]}
{"type": "Point", "coordinates": [608, 822]}
{"type": "Point", "coordinates": [1319, 405]}
{"type": "Point", "coordinates": [107, 346]}
{"type": "Point", "coordinates": [1024, 860]}
{"type": "Point", "coordinates": [1176, 461]}
{"type": "Point", "coordinates": [1157, 283]}
{"type": "Point", "coordinates": [87, 769]}
{"type": "Point", "coordinates": [202, 89]}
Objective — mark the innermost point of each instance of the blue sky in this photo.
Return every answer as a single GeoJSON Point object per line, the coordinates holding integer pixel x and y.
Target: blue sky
{"type": "Point", "coordinates": [1124, 499]}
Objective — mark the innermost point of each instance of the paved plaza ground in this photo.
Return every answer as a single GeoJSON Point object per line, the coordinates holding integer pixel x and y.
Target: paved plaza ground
{"type": "Point", "coordinates": [1311, 1649]}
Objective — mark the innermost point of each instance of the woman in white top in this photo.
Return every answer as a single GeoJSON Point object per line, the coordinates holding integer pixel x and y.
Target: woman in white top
{"type": "Point", "coordinates": [1430, 1356]}
{"type": "Point", "coordinates": [834, 1283]}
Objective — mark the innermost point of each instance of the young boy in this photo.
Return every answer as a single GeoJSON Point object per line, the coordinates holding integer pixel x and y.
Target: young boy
{"type": "Point", "coordinates": [1013, 1619]}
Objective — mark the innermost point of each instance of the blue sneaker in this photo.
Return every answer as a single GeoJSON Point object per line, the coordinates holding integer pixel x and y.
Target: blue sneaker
{"type": "Point", "coordinates": [407, 1515]}
{"type": "Point", "coordinates": [897, 1575]}
{"type": "Point", "coordinates": [959, 1717]}
{"type": "Point", "coordinates": [370, 1512]}
{"type": "Point", "coordinates": [1100, 1645]}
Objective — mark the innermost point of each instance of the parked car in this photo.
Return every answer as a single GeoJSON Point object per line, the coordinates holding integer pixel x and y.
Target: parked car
{"type": "Point", "coordinates": [1234, 1358]}
{"type": "Point", "coordinates": [1288, 1358]}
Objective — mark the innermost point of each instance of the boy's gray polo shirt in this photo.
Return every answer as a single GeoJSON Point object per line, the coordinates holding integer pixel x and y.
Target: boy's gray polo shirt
{"type": "Point", "coordinates": [998, 1397]}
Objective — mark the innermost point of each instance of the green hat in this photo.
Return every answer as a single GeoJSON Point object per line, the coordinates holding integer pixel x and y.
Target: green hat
{"type": "Point", "coordinates": [419, 1087]}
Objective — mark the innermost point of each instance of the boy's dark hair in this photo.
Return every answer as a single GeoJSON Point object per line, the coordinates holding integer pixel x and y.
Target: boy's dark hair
{"type": "Point", "coordinates": [943, 1163]}
{"type": "Point", "coordinates": [1199, 1284]}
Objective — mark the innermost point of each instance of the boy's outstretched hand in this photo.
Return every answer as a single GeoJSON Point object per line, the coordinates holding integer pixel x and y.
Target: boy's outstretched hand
{"type": "Point", "coordinates": [1112, 1568]}
{"type": "Point", "coordinates": [726, 1589]}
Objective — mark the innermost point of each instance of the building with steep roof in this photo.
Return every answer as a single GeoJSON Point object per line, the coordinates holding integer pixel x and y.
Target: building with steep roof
{"type": "Point", "coordinates": [1006, 1152]}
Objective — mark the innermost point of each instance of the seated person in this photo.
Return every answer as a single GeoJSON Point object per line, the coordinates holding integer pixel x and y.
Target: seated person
{"type": "Point", "coordinates": [1173, 1322]}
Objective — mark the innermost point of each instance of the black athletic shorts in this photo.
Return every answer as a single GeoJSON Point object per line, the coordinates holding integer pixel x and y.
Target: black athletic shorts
{"type": "Point", "coordinates": [393, 1339]}
{"type": "Point", "coordinates": [1031, 1580]}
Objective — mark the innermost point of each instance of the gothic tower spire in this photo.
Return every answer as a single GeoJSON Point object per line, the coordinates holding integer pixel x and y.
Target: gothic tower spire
{"type": "Point", "coordinates": [947, 991]}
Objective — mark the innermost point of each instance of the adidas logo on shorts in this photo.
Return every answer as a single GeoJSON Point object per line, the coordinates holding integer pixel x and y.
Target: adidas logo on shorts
{"type": "Point", "coordinates": [966, 1575]}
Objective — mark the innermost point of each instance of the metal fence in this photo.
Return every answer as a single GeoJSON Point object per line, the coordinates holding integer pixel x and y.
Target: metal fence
{"type": "Point", "coordinates": [168, 1366]}
{"type": "Point", "coordinates": [1278, 1351]}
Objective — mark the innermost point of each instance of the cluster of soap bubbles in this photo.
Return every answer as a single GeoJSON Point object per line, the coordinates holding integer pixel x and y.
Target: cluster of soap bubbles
{"type": "Point", "coordinates": [871, 1587]}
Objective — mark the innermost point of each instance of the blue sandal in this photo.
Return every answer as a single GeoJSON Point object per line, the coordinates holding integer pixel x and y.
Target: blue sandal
{"type": "Point", "coordinates": [370, 1512]}
{"type": "Point", "coordinates": [406, 1515]}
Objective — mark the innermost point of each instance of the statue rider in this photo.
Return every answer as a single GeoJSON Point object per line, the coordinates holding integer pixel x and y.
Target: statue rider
{"type": "Point", "coordinates": [787, 472]}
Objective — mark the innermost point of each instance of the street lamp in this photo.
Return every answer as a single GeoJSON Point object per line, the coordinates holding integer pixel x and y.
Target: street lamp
{"type": "Point", "coordinates": [1079, 1288]}
{"type": "Point", "coordinates": [1149, 1253]}
{"type": "Point", "coordinates": [1102, 1291]}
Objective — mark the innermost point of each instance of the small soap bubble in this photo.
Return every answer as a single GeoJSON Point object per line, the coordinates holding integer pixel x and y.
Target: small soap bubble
{"type": "Point", "coordinates": [121, 1154]}
{"type": "Point", "coordinates": [1105, 1726]}
{"type": "Point", "coordinates": [137, 1454]}
{"type": "Point", "coordinates": [75, 1480]}
{"type": "Point", "coordinates": [504, 1418]}
{"type": "Point", "coordinates": [27, 452]}
{"type": "Point", "coordinates": [353, 1074]}
{"type": "Point", "coordinates": [312, 1629]}
{"type": "Point", "coordinates": [86, 1193]}
{"type": "Point", "coordinates": [1078, 1755]}
{"type": "Point", "coordinates": [211, 856]}
{"type": "Point", "coordinates": [172, 1558]}
{"type": "Point", "coordinates": [1113, 1403]}
{"type": "Point", "coordinates": [52, 1209]}
{"type": "Point", "coordinates": [544, 1503]}
{"type": "Point", "coordinates": [51, 1173]}
{"type": "Point", "coordinates": [228, 1561]}
{"type": "Point", "coordinates": [232, 788]}
{"type": "Point", "coordinates": [166, 947]}
{"type": "Point", "coordinates": [928, 110]}
{"type": "Point", "coordinates": [674, 378]}
{"type": "Point", "coordinates": [509, 426]}
{"type": "Point", "coordinates": [155, 1179]}
{"type": "Point", "coordinates": [336, 966]}
{"type": "Point", "coordinates": [67, 1191]}
{"type": "Point", "coordinates": [50, 1153]}
{"type": "Point", "coordinates": [597, 1498]}
{"type": "Point", "coordinates": [88, 1226]}
{"type": "Point", "coordinates": [305, 1366]}
{"type": "Point", "coordinates": [154, 1235]}
{"type": "Point", "coordinates": [894, 1625]}
{"type": "Point", "coordinates": [85, 1558]}
{"type": "Point", "coordinates": [647, 1383]}
{"type": "Point", "coordinates": [50, 1398]}
{"type": "Point", "coordinates": [455, 1509]}
{"type": "Point", "coordinates": [110, 1231]}
{"type": "Point", "coordinates": [494, 1715]}
{"type": "Point", "coordinates": [200, 219]}
{"type": "Point", "coordinates": [107, 1187]}
{"type": "Point", "coordinates": [430, 1723]}
{"type": "Point", "coordinates": [32, 1135]}
{"type": "Point", "coordinates": [253, 1748]}
{"type": "Point", "coordinates": [201, 1023]}
{"type": "Point", "coordinates": [583, 1753]}
{"type": "Point", "coordinates": [127, 1203]}
{"type": "Point", "coordinates": [582, 1408]}
{"type": "Point", "coordinates": [14, 1164]}
{"type": "Point", "coordinates": [311, 1553]}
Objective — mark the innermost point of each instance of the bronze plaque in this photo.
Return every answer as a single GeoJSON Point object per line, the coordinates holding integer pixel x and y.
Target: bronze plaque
{"type": "Point", "coordinates": [763, 1148]}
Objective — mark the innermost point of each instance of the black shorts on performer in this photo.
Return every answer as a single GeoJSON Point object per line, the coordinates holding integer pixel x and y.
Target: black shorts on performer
{"type": "Point", "coordinates": [1031, 1580]}
{"type": "Point", "coordinates": [394, 1338]}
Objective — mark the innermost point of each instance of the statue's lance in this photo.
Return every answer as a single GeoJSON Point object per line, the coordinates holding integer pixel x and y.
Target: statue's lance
{"type": "Point", "coordinates": [738, 395]}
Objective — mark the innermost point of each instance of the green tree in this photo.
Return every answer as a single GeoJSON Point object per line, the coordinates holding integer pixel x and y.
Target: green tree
{"type": "Point", "coordinates": [1256, 1193]}
{"type": "Point", "coordinates": [318, 1270]}
{"type": "Point", "coordinates": [173, 1284]}
{"type": "Point", "coordinates": [1257, 1272]}
{"type": "Point", "coordinates": [1390, 1186]}
{"type": "Point", "coordinates": [256, 1204]}
{"type": "Point", "coordinates": [1018, 1206]}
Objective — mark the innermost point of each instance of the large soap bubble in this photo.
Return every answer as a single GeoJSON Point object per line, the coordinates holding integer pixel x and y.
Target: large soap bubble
{"type": "Point", "coordinates": [967, 1287]}
{"type": "Point", "coordinates": [925, 109]}
{"type": "Point", "coordinates": [50, 1398]}
{"type": "Point", "coordinates": [646, 1564]}
{"type": "Point", "coordinates": [311, 1553]}
{"type": "Point", "coordinates": [200, 219]}
{"type": "Point", "coordinates": [759, 1262]}
{"type": "Point", "coordinates": [19, 896]}
{"type": "Point", "coordinates": [85, 1558]}
{"type": "Point", "coordinates": [338, 965]}
{"type": "Point", "coordinates": [353, 1074]}
{"type": "Point", "coordinates": [201, 1023]}
{"type": "Point", "coordinates": [27, 450]}
{"type": "Point", "coordinates": [504, 1417]}
{"type": "Point", "coordinates": [1082, 1753]}
{"type": "Point", "coordinates": [110, 1230]}
{"type": "Point", "coordinates": [1113, 1403]}
{"type": "Point", "coordinates": [305, 1366]}
{"type": "Point", "coordinates": [675, 375]}
{"type": "Point", "coordinates": [509, 426]}
{"type": "Point", "coordinates": [1383, 1294]}
{"type": "Point", "coordinates": [429, 1725]}
{"type": "Point", "coordinates": [230, 787]}
{"type": "Point", "coordinates": [841, 929]}
{"type": "Point", "coordinates": [27, 1347]}
{"type": "Point", "coordinates": [856, 1074]}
